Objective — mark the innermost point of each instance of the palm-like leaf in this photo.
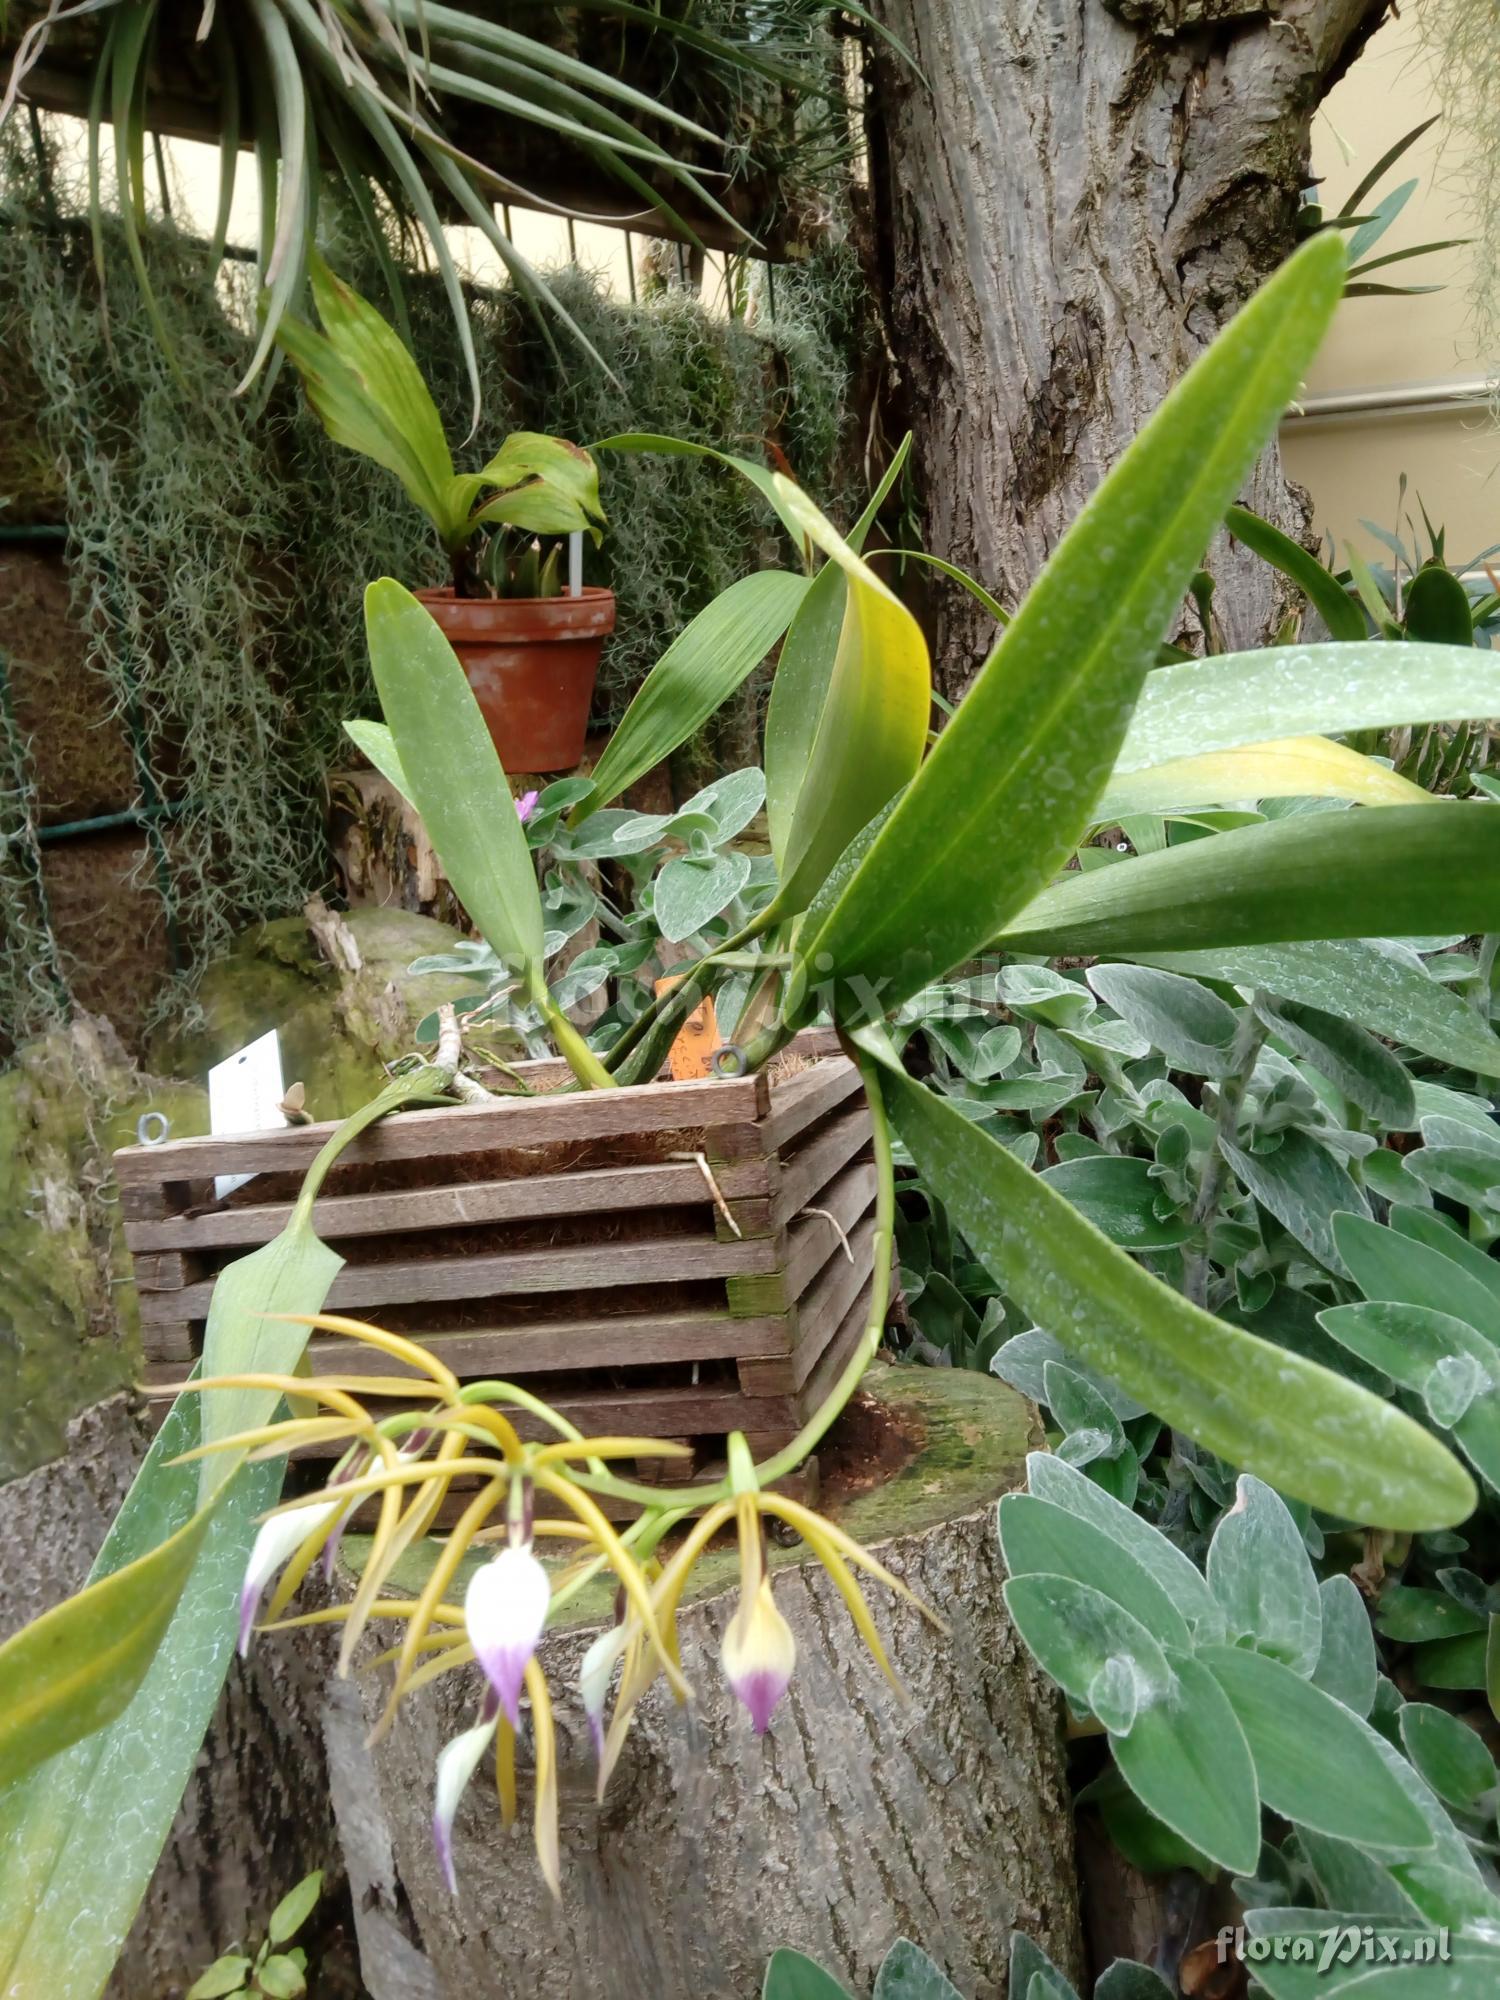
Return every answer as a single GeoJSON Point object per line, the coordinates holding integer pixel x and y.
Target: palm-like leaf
{"type": "Point", "coordinates": [372, 93]}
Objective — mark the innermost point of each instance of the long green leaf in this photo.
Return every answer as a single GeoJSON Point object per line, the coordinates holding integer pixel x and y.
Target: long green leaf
{"type": "Point", "coordinates": [1010, 784]}
{"type": "Point", "coordinates": [1301, 1428]}
{"type": "Point", "coordinates": [1384, 988]}
{"type": "Point", "coordinates": [1241, 698]}
{"type": "Point", "coordinates": [369, 395]}
{"type": "Point", "coordinates": [759, 476]}
{"type": "Point", "coordinates": [701, 668]}
{"type": "Point", "coordinates": [82, 1834]}
{"type": "Point", "coordinates": [1404, 871]}
{"type": "Point", "coordinates": [871, 726]}
{"type": "Point", "coordinates": [1321, 589]}
{"type": "Point", "coordinates": [293, 145]}
{"type": "Point", "coordinates": [75, 1668]}
{"type": "Point", "coordinates": [458, 783]}
{"type": "Point", "coordinates": [799, 693]}
{"type": "Point", "coordinates": [1291, 767]}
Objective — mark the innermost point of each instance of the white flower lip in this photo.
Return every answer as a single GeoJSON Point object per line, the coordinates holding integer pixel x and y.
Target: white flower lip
{"type": "Point", "coordinates": [504, 1612]}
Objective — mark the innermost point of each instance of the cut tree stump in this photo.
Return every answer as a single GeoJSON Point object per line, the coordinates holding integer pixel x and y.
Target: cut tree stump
{"type": "Point", "coordinates": [855, 1821]}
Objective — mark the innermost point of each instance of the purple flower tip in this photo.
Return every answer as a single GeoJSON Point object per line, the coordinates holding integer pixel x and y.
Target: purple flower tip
{"type": "Point", "coordinates": [526, 806]}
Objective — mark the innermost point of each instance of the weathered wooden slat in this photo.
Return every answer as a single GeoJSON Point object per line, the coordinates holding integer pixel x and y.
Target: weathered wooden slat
{"type": "Point", "coordinates": [687, 1410]}
{"type": "Point", "coordinates": [542, 1347]}
{"type": "Point", "coordinates": [815, 1238]}
{"type": "Point", "coordinates": [160, 1270]}
{"type": "Point", "coordinates": [463, 1128]}
{"type": "Point", "coordinates": [811, 1169]}
{"type": "Point", "coordinates": [802, 1100]}
{"type": "Point", "coordinates": [590, 1191]}
{"type": "Point", "coordinates": [832, 1360]}
{"type": "Point", "coordinates": [819, 1315]}
{"type": "Point", "coordinates": [664, 1260]}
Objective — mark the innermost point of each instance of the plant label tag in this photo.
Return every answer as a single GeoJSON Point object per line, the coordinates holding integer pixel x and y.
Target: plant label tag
{"type": "Point", "coordinates": [244, 1095]}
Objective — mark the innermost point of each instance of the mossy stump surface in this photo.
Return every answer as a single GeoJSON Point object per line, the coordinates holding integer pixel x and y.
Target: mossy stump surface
{"type": "Point", "coordinates": [855, 1820]}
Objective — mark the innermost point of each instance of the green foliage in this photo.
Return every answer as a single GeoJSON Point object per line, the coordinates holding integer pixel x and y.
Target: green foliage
{"type": "Point", "coordinates": [327, 101]}
{"type": "Point", "coordinates": [907, 1973]}
{"type": "Point", "coordinates": [1258, 1179]}
{"type": "Point", "coordinates": [280, 1975]}
{"type": "Point", "coordinates": [369, 395]}
{"type": "Point", "coordinates": [218, 566]}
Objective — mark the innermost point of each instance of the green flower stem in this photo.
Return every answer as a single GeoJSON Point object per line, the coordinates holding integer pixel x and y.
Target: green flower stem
{"type": "Point", "coordinates": [580, 1058]}
{"type": "Point", "coordinates": [677, 996]}
{"type": "Point", "coordinates": [831, 1408]}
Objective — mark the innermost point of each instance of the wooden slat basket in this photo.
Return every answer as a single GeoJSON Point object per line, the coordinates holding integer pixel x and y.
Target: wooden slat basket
{"type": "Point", "coordinates": [676, 1260]}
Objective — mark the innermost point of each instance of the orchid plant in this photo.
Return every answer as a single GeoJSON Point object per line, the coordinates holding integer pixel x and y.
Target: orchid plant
{"type": "Point", "coordinates": [895, 866]}
{"type": "Point", "coordinates": [409, 1464]}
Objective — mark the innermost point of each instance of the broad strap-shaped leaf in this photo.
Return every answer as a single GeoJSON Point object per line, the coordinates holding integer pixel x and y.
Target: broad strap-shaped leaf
{"type": "Point", "coordinates": [799, 691]}
{"type": "Point", "coordinates": [369, 394]}
{"type": "Point", "coordinates": [1405, 871]}
{"type": "Point", "coordinates": [1012, 780]}
{"type": "Point", "coordinates": [698, 672]}
{"type": "Point", "coordinates": [1299, 1427]}
{"type": "Point", "coordinates": [1292, 767]}
{"type": "Point", "coordinates": [76, 1667]}
{"type": "Point", "coordinates": [1316, 1762]}
{"type": "Point", "coordinates": [1240, 698]}
{"type": "Point", "coordinates": [81, 1836]}
{"type": "Point", "coordinates": [458, 783]}
{"type": "Point", "coordinates": [759, 476]}
{"type": "Point", "coordinates": [1384, 986]}
{"type": "Point", "coordinates": [873, 721]}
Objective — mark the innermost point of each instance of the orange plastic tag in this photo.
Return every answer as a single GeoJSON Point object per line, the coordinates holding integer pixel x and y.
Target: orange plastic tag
{"type": "Point", "coordinates": [691, 1053]}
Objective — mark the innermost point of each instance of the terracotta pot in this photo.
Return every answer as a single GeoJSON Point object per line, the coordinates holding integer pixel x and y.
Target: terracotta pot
{"type": "Point", "coordinates": [531, 662]}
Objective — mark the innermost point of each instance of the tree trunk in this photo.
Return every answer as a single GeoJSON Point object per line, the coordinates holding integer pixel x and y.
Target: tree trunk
{"type": "Point", "coordinates": [1070, 207]}
{"type": "Point", "coordinates": [855, 1821]}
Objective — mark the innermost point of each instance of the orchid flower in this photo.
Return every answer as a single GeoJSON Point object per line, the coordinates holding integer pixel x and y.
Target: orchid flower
{"type": "Point", "coordinates": [759, 1651]}
{"type": "Point", "coordinates": [411, 1464]}
{"type": "Point", "coordinates": [526, 806]}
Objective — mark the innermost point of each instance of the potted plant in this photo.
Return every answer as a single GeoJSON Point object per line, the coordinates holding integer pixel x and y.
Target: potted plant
{"type": "Point", "coordinates": [527, 633]}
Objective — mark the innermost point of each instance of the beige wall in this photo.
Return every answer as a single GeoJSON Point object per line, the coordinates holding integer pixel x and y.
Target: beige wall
{"type": "Point", "coordinates": [1379, 347]}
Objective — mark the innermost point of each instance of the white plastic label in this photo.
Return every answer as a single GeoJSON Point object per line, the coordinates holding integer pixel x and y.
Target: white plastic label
{"type": "Point", "coordinates": [244, 1095]}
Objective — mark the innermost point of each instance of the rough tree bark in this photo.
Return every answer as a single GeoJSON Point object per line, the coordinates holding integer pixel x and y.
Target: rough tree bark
{"type": "Point", "coordinates": [1070, 206]}
{"type": "Point", "coordinates": [855, 1821]}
